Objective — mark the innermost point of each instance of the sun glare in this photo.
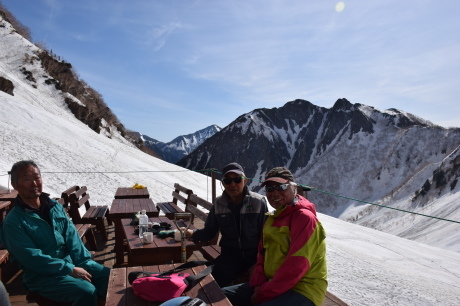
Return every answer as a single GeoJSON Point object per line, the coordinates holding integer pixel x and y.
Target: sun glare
{"type": "Point", "coordinates": [340, 6]}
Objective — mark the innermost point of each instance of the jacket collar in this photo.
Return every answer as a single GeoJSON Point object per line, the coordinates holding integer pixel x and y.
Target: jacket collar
{"type": "Point", "coordinates": [227, 197]}
{"type": "Point", "coordinates": [44, 200]}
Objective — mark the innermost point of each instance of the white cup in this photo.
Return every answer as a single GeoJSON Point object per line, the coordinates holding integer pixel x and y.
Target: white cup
{"type": "Point", "coordinates": [177, 236]}
{"type": "Point", "coordinates": [148, 237]}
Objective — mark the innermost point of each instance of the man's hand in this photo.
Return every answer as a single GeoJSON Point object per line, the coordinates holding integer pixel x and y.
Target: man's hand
{"type": "Point", "coordinates": [188, 233]}
{"type": "Point", "coordinates": [78, 272]}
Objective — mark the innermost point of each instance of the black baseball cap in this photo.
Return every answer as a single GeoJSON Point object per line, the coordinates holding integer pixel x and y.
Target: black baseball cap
{"type": "Point", "coordinates": [233, 167]}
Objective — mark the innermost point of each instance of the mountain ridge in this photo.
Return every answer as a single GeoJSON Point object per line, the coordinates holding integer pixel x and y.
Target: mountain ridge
{"type": "Point", "coordinates": [182, 145]}
{"type": "Point", "coordinates": [351, 150]}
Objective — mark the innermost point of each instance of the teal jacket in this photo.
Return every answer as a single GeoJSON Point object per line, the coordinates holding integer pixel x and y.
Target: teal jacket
{"type": "Point", "coordinates": [41, 249]}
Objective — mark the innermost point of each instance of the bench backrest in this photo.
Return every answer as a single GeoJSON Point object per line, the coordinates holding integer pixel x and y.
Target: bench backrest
{"type": "Point", "coordinates": [77, 199]}
{"type": "Point", "coordinates": [193, 206]}
{"type": "Point", "coordinates": [177, 196]}
{"type": "Point", "coordinates": [65, 195]}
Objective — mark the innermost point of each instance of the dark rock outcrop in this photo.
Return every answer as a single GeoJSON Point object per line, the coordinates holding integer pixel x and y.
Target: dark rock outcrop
{"type": "Point", "coordinates": [6, 86]}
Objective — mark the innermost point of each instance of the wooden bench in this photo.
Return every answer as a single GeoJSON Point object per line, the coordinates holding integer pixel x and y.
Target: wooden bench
{"type": "Point", "coordinates": [85, 231]}
{"type": "Point", "coordinates": [95, 215]}
{"type": "Point", "coordinates": [4, 256]}
{"type": "Point", "coordinates": [5, 206]}
{"type": "Point", "coordinates": [65, 197]}
{"type": "Point", "coordinates": [195, 205]}
{"type": "Point", "coordinates": [170, 208]}
{"type": "Point", "coordinates": [210, 250]}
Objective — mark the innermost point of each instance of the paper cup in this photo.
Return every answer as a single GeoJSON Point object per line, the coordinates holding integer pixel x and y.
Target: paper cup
{"type": "Point", "coordinates": [148, 237]}
{"type": "Point", "coordinates": [177, 236]}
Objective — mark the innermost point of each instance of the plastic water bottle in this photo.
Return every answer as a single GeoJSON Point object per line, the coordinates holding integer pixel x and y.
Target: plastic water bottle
{"type": "Point", "coordinates": [143, 224]}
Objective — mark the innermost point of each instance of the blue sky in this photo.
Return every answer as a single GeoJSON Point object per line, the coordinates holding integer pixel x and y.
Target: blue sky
{"type": "Point", "coordinates": [169, 68]}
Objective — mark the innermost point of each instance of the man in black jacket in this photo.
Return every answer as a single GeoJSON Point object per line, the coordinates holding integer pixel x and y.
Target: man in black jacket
{"type": "Point", "coordinates": [239, 215]}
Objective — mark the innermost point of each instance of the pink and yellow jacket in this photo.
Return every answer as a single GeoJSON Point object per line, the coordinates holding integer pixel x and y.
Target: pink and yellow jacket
{"type": "Point", "coordinates": [292, 254]}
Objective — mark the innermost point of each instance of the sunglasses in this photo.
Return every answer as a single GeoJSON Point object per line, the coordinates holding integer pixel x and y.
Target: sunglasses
{"type": "Point", "coordinates": [237, 180]}
{"type": "Point", "coordinates": [282, 187]}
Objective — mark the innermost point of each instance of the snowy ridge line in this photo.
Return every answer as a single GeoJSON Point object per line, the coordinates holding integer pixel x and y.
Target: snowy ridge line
{"type": "Point", "coordinates": [384, 206]}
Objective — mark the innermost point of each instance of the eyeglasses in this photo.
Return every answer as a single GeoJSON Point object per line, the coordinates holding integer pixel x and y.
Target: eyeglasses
{"type": "Point", "coordinates": [237, 180]}
{"type": "Point", "coordinates": [281, 187]}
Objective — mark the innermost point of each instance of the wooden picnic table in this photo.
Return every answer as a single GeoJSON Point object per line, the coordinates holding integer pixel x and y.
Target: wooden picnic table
{"type": "Point", "coordinates": [126, 208]}
{"type": "Point", "coordinates": [120, 292]}
{"type": "Point", "coordinates": [130, 193]}
{"type": "Point", "coordinates": [5, 207]}
{"type": "Point", "coordinates": [6, 195]}
{"type": "Point", "coordinates": [160, 251]}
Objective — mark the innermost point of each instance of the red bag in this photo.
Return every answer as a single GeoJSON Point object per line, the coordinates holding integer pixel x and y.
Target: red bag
{"type": "Point", "coordinates": [164, 286]}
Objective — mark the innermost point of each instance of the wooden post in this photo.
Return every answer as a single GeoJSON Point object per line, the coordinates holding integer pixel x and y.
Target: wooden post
{"type": "Point", "coordinates": [9, 180]}
{"type": "Point", "coordinates": [299, 190]}
{"type": "Point", "coordinates": [303, 191]}
{"type": "Point", "coordinates": [213, 177]}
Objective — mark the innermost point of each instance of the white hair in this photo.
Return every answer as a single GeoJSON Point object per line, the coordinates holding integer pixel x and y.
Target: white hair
{"type": "Point", "coordinates": [294, 187]}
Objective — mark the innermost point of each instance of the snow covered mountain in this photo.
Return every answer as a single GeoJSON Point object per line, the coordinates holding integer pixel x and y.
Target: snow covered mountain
{"type": "Point", "coordinates": [180, 146]}
{"type": "Point", "coordinates": [355, 151]}
{"type": "Point", "coordinates": [366, 267]}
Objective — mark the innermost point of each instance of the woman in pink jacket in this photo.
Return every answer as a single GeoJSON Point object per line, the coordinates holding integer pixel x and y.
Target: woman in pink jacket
{"type": "Point", "coordinates": [291, 264]}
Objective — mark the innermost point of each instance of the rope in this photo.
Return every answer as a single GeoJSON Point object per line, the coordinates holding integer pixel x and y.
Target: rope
{"type": "Point", "coordinates": [213, 170]}
{"type": "Point", "coordinates": [361, 201]}
{"type": "Point", "coordinates": [389, 207]}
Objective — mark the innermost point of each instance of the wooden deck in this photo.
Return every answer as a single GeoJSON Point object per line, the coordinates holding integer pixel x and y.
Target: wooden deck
{"type": "Point", "coordinates": [106, 256]}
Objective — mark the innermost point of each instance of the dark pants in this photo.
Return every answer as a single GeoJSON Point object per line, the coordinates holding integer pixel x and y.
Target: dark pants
{"type": "Point", "coordinates": [229, 265]}
{"type": "Point", "coordinates": [240, 295]}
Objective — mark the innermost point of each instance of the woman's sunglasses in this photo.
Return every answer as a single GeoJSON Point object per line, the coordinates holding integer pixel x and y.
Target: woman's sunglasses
{"type": "Point", "coordinates": [237, 180]}
{"type": "Point", "coordinates": [282, 187]}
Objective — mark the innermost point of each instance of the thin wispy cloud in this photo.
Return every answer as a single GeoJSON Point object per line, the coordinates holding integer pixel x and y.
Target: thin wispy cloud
{"type": "Point", "coordinates": [225, 58]}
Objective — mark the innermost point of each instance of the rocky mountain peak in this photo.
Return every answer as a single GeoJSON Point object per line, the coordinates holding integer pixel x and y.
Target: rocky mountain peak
{"type": "Point", "coordinates": [352, 150]}
{"type": "Point", "coordinates": [342, 105]}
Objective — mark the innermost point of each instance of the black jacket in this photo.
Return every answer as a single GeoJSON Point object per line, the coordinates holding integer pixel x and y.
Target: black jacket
{"type": "Point", "coordinates": [252, 219]}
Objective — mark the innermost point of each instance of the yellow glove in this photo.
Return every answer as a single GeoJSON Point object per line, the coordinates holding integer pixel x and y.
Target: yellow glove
{"type": "Point", "coordinates": [137, 186]}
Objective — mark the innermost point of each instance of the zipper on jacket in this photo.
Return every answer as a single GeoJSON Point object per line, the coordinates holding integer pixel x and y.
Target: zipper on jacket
{"type": "Point", "coordinates": [246, 199]}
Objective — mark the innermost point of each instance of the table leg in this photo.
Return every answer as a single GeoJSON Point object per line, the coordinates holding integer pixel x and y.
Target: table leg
{"type": "Point", "coordinates": [119, 241]}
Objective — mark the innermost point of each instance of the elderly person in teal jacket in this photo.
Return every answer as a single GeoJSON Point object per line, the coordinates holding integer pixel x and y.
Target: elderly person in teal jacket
{"type": "Point", "coordinates": [41, 238]}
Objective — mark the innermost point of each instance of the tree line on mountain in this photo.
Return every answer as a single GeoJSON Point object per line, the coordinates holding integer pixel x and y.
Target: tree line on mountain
{"type": "Point", "coordinates": [17, 25]}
